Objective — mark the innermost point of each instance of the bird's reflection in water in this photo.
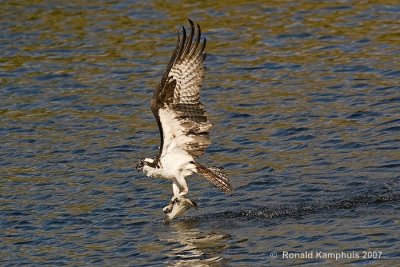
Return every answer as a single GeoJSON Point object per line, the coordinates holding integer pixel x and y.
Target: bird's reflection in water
{"type": "Point", "coordinates": [190, 247]}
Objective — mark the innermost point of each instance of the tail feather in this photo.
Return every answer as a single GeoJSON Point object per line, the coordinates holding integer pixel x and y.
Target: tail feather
{"type": "Point", "coordinates": [216, 176]}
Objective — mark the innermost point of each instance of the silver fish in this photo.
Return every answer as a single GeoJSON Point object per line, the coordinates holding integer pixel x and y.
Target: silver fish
{"type": "Point", "coordinates": [178, 208]}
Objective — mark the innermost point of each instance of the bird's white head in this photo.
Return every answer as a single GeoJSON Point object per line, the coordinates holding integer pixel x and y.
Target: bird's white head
{"type": "Point", "coordinates": [144, 162]}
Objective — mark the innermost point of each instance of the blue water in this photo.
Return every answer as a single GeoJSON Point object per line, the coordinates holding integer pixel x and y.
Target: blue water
{"type": "Point", "coordinates": [304, 98]}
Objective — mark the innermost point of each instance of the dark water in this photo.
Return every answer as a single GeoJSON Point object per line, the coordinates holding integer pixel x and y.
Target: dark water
{"type": "Point", "coordinates": [305, 99]}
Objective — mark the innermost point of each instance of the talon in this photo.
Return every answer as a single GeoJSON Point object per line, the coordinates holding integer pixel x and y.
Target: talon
{"type": "Point", "coordinates": [175, 200]}
{"type": "Point", "coordinates": [168, 208]}
{"type": "Point", "coordinates": [195, 205]}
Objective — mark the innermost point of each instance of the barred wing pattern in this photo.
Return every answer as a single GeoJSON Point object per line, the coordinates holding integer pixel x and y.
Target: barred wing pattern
{"type": "Point", "coordinates": [176, 102]}
{"type": "Point", "coordinates": [216, 176]}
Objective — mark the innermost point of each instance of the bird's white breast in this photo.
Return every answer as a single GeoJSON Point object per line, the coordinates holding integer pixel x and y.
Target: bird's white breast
{"type": "Point", "coordinates": [176, 163]}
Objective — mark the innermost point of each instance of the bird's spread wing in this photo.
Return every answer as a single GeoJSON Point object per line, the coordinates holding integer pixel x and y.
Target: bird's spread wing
{"type": "Point", "coordinates": [176, 103]}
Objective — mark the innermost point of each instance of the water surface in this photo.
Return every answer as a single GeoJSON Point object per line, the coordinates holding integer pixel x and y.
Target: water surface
{"type": "Point", "coordinates": [304, 97]}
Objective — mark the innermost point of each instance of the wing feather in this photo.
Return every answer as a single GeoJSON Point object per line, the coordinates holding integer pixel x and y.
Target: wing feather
{"type": "Point", "coordinates": [216, 176]}
{"type": "Point", "coordinates": [176, 105]}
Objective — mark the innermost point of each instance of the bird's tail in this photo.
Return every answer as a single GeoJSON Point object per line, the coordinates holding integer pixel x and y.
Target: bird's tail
{"type": "Point", "coordinates": [216, 176]}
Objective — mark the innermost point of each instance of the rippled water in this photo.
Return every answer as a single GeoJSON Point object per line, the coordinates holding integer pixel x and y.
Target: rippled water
{"type": "Point", "coordinates": [305, 101]}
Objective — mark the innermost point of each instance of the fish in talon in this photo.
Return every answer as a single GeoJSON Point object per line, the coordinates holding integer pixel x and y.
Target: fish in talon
{"type": "Point", "coordinates": [179, 208]}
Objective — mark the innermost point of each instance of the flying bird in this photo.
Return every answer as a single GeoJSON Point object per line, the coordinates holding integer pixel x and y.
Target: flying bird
{"type": "Point", "coordinates": [183, 125]}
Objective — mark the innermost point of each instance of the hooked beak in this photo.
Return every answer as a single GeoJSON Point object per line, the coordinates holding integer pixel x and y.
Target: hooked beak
{"type": "Point", "coordinates": [139, 165]}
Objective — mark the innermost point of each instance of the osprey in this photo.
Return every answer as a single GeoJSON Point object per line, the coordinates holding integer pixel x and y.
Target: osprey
{"type": "Point", "coordinates": [183, 125]}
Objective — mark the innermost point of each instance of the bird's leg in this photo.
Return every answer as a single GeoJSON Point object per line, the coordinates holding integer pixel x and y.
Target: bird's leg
{"type": "Point", "coordinates": [175, 190]}
{"type": "Point", "coordinates": [185, 188]}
